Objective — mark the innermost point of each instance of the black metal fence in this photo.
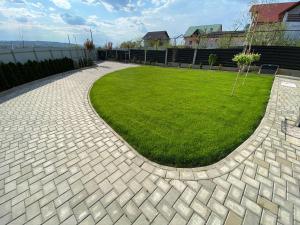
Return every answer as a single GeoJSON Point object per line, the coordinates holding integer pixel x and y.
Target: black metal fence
{"type": "Point", "coordinates": [284, 57]}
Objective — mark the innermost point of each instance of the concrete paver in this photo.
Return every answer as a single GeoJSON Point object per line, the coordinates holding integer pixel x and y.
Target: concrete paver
{"type": "Point", "coordinates": [62, 164]}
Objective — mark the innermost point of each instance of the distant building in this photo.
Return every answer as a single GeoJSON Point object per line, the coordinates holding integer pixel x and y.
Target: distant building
{"type": "Point", "coordinates": [156, 39]}
{"type": "Point", "coordinates": [212, 36]}
{"type": "Point", "coordinates": [191, 36]}
{"type": "Point", "coordinates": [287, 13]}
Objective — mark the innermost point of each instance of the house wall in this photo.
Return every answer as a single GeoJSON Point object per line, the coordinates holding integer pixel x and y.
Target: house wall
{"type": "Point", "coordinates": [152, 44]}
{"type": "Point", "coordinates": [191, 42]}
{"type": "Point", "coordinates": [294, 35]}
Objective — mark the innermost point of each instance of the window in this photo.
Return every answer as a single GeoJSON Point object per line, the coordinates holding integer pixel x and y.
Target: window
{"type": "Point", "coordinates": [190, 43]}
{"type": "Point", "coordinates": [293, 18]}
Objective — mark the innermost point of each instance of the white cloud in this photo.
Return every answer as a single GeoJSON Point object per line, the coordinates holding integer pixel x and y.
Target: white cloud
{"type": "Point", "coordinates": [12, 12]}
{"type": "Point", "coordinates": [107, 6]}
{"type": "Point", "coordinates": [64, 4]}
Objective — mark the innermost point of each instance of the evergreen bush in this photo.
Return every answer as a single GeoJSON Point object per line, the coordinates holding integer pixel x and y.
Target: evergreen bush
{"type": "Point", "coordinates": [14, 74]}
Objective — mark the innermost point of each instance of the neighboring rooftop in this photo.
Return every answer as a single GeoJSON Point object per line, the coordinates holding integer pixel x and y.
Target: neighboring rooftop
{"type": "Point", "coordinates": [157, 35]}
{"type": "Point", "coordinates": [270, 13]}
{"type": "Point", "coordinates": [204, 29]}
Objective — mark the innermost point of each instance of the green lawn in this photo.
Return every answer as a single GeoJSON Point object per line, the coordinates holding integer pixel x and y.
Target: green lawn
{"type": "Point", "coordinates": [181, 117]}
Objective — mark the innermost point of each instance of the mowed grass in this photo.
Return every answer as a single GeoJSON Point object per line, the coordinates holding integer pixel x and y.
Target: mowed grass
{"type": "Point", "coordinates": [181, 117]}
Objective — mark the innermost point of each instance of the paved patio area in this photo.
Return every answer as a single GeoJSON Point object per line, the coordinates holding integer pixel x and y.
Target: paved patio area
{"type": "Point", "coordinates": [61, 164]}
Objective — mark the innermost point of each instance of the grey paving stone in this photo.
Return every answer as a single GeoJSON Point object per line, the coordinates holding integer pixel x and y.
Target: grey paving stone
{"type": "Point", "coordinates": [156, 196]}
{"type": "Point", "coordinates": [114, 210]}
{"type": "Point", "coordinates": [251, 218]}
{"type": "Point", "coordinates": [166, 210]}
{"type": "Point", "coordinates": [200, 208]}
{"type": "Point", "coordinates": [233, 219]}
{"type": "Point", "coordinates": [52, 221]}
{"type": "Point", "coordinates": [183, 209]}
{"type": "Point", "coordinates": [214, 220]}
{"type": "Point", "coordinates": [97, 211]}
{"type": "Point", "coordinates": [105, 221]}
{"type": "Point", "coordinates": [123, 221]}
{"type": "Point", "coordinates": [178, 220]}
{"type": "Point", "coordinates": [80, 211]}
{"type": "Point", "coordinates": [148, 210]}
{"type": "Point", "coordinates": [141, 220]}
{"type": "Point", "coordinates": [265, 203]}
{"type": "Point", "coordinates": [131, 210]}
{"type": "Point", "coordinates": [64, 212]}
{"type": "Point", "coordinates": [48, 211]}
{"type": "Point", "coordinates": [87, 221]}
{"type": "Point", "coordinates": [268, 218]}
{"type": "Point", "coordinates": [196, 220]}
{"type": "Point", "coordinates": [64, 165]}
{"type": "Point", "coordinates": [32, 210]}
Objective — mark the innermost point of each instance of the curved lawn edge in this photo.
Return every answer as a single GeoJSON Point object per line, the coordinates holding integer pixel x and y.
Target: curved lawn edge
{"type": "Point", "coordinates": [223, 166]}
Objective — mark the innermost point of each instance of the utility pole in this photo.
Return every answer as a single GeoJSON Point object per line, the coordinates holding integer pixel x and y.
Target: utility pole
{"type": "Point", "coordinates": [69, 40]}
{"type": "Point", "coordinates": [75, 39]}
{"type": "Point", "coordinates": [91, 35]}
{"type": "Point", "coordinates": [22, 37]}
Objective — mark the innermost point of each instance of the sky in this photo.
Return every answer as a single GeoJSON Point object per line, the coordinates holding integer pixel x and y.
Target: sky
{"type": "Point", "coordinates": [113, 20]}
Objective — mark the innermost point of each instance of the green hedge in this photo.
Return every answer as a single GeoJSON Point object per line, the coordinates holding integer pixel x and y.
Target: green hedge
{"type": "Point", "coordinates": [12, 74]}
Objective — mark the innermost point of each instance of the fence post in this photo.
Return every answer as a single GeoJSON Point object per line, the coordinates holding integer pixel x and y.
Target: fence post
{"type": "Point", "coordinates": [117, 55]}
{"type": "Point", "coordinates": [78, 56]}
{"type": "Point", "coordinates": [13, 55]}
{"type": "Point", "coordinates": [166, 57]}
{"type": "Point", "coordinates": [106, 55]}
{"type": "Point", "coordinates": [195, 55]}
{"type": "Point", "coordinates": [145, 56]}
{"type": "Point", "coordinates": [71, 53]}
{"type": "Point", "coordinates": [35, 55]}
{"type": "Point", "coordinates": [129, 55]}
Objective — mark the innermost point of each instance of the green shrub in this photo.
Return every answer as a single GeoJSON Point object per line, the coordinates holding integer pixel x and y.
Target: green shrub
{"type": "Point", "coordinates": [245, 59]}
{"type": "Point", "coordinates": [212, 59]}
{"type": "Point", "coordinates": [13, 74]}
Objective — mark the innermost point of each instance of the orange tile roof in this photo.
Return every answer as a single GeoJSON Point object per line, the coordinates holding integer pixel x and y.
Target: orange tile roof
{"type": "Point", "coordinates": [268, 13]}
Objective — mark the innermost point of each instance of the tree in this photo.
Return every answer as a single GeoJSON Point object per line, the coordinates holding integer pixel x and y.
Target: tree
{"type": "Point", "coordinates": [108, 46]}
{"type": "Point", "coordinates": [243, 60]}
{"type": "Point", "coordinates": [252, 57]}
{"type": "Point", "coordinates": [212, 59]}
{"type": "Point", "coordinates": [131, 44]}
{"type": "Point", "coordinates": [89, 46]}
{"type": "Point", "coordinates": [224, 41]}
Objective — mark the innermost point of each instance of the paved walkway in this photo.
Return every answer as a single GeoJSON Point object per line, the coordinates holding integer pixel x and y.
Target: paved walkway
{"type": "Point", "coordinates": [61, 164]}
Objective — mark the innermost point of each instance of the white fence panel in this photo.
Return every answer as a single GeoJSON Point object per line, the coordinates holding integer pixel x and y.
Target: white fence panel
{"type": "Point", "coordinates": [23, 55]}
{"type": "Point", "coordinates": [57, 53]}
{"type": "Point", "coordinates": [6, 56]}
{"type": "Point", "coordinates": [66, 53]}
{"type": "Point", "coordinates": [43, 54]}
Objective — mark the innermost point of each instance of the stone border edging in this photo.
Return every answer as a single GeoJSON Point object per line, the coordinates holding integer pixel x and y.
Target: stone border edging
{"type": "Point", "coordinates": [224, 166]}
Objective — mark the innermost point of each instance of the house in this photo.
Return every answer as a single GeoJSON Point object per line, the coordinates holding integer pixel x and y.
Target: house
{"type": "Point", "coordinates": [286, 14]}
{"type": "Point", "coordinates": [191, 36]}
{"type": "Point", "coordinates": [212, 36]}
{"type": "Point", "coordinates": [156, 39]}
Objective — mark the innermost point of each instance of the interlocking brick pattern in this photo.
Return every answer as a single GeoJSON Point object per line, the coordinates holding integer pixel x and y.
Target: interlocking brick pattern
{"type": "Point", "coordinates": [61, 164]}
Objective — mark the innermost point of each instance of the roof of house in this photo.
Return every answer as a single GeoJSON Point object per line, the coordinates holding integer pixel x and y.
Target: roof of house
{"type": "Point", "coordinates": [157, 35]}
{"type": "Point", "coordinates": [203, 29]}
{"type": "Point", "coordinates": [268, 13]}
